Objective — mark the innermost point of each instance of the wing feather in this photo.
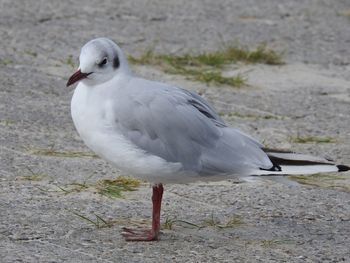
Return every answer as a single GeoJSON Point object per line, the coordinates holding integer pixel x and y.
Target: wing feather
{"type": "Point", "coordinates": [180, 126]}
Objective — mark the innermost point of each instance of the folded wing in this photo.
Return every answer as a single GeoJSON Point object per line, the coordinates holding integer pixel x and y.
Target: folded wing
{"type": "Point", "coordinates": [180, 126]}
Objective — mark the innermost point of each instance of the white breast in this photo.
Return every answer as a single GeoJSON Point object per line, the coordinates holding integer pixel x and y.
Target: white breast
{"type": "Point", "coordinates": [94, 119]}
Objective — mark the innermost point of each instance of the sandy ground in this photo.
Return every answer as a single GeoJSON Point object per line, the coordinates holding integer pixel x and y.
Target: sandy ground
{"type": "Point", "coordinates": [241, 221]}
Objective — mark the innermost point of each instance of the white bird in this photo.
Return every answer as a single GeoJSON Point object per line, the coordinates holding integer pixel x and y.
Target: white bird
{"type": "Point", "coordinates": [162, 133]}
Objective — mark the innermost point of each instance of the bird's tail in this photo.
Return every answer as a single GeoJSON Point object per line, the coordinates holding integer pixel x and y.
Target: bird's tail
{"type": "Point", "coordinates": [289, 163]}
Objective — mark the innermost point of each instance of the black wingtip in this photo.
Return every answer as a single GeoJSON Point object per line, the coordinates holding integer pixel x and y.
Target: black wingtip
{"type": "Point", "coordinates": [343, 168]}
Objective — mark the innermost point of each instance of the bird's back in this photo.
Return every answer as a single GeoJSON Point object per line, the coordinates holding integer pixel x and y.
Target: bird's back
{"type": "Point", "coordinates": [181, 127]}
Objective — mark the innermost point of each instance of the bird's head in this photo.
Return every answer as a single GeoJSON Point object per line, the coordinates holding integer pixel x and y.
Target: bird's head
{"type": "Point", "coordinates": [100, 60]}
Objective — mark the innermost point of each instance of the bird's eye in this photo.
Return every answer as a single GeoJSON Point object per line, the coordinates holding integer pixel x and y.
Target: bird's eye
{"type": "Point", "coordinates": [103, 62]}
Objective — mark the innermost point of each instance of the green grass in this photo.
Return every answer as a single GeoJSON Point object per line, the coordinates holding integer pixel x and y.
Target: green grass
{"type": "Point", "coordinates": [98, 221]}
{"type": "Point", "coordinates": [170, 222]}
{"type": "Point", "coordinates": [114, 187]}
{"type": "Point", "coordinates": [324, 180]}
{"type": "Point", "coordinates": [207, 67]}
{"type": "Point", "coordinates": [345, 13]}
{"type": "Point", "coordinates": [70, 62]}
{"type": "Point", "coordinates": [323, 176]}
{"type": "Point", "coordinates": [73, 187]}
{"type": "Point", "coordinates": [67, 188]}
{"type": "Point", "coordinates": [5, 61]}
{"type": "Point", "coordinates": [31, 53]}
{"type": "Point", "coordinates": [212, 221]}
{"type": "Point", "coordinates": [218, 59]}
{"type": "Point", "coordinates": [208, 76]}
{"type": "Point", "coordinates": [261, 55]}
{"type": "Point", "coordinates": [268, 243]}
{"type": "Point", "coordinates": [33, 176]}
{"type": "Point", "coordinates": [271, 243]}
{"type": "Point", "coordinates": [6, 122]}
{"type": "Point", "coordinates": [250, 116]}
{"type": "Point", "coordinates": [232, 222]}
{"type": "Point", "coordinates": [312, 139]}
{"type": "Point", "coordinates": [57, 153]}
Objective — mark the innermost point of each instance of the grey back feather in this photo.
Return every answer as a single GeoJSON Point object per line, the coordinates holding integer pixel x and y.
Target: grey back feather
{"type": "Point", "coordinates": [180, 126]}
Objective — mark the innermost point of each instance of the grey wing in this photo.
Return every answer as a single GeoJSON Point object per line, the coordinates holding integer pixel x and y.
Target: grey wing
{"type": "Point", "coordinates": [201, 105]}
{"type": "Point", "coordinates": [179, 126]}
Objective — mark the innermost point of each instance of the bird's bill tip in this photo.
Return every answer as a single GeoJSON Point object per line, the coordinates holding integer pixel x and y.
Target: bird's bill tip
{"type": "Point", "coordinates": [77, 76]}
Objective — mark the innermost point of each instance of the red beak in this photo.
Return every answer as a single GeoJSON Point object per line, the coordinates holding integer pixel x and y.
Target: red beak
{"type": "Point", "coordinates": [76, 77]}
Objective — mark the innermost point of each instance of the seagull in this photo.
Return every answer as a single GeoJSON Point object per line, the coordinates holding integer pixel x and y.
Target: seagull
{"type": "Point", "coordinates": [165, 134]}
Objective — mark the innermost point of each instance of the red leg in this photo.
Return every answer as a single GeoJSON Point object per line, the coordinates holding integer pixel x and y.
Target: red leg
{"type": "Point", "coordinates": [153, 233]}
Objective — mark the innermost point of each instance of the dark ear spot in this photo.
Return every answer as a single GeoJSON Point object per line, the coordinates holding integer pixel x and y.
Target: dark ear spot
{"type": "Point", "coordinates": [103, 62]}
{"type": "Point", "coordinates": [116, 62]}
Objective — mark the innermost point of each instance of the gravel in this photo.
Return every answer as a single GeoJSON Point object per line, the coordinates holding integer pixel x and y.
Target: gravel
{"type": "Point", "coordinates": [278, 220]}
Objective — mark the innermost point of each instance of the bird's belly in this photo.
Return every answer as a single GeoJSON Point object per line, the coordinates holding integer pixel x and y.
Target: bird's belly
{"type": "Point", "coordinates": [99, 134]}
{"type": "Point", "coordinates": [126, 156]}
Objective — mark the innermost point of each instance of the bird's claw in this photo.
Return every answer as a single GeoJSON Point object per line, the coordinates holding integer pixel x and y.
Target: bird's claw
{"type": "Point", "coordinates": [139, 234]}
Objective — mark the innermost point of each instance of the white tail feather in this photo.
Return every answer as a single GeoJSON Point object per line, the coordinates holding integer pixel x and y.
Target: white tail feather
{"type": "Point", "coordinates": [287, 163]}
{"type": "Point", "coordinates": [299, 157]}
